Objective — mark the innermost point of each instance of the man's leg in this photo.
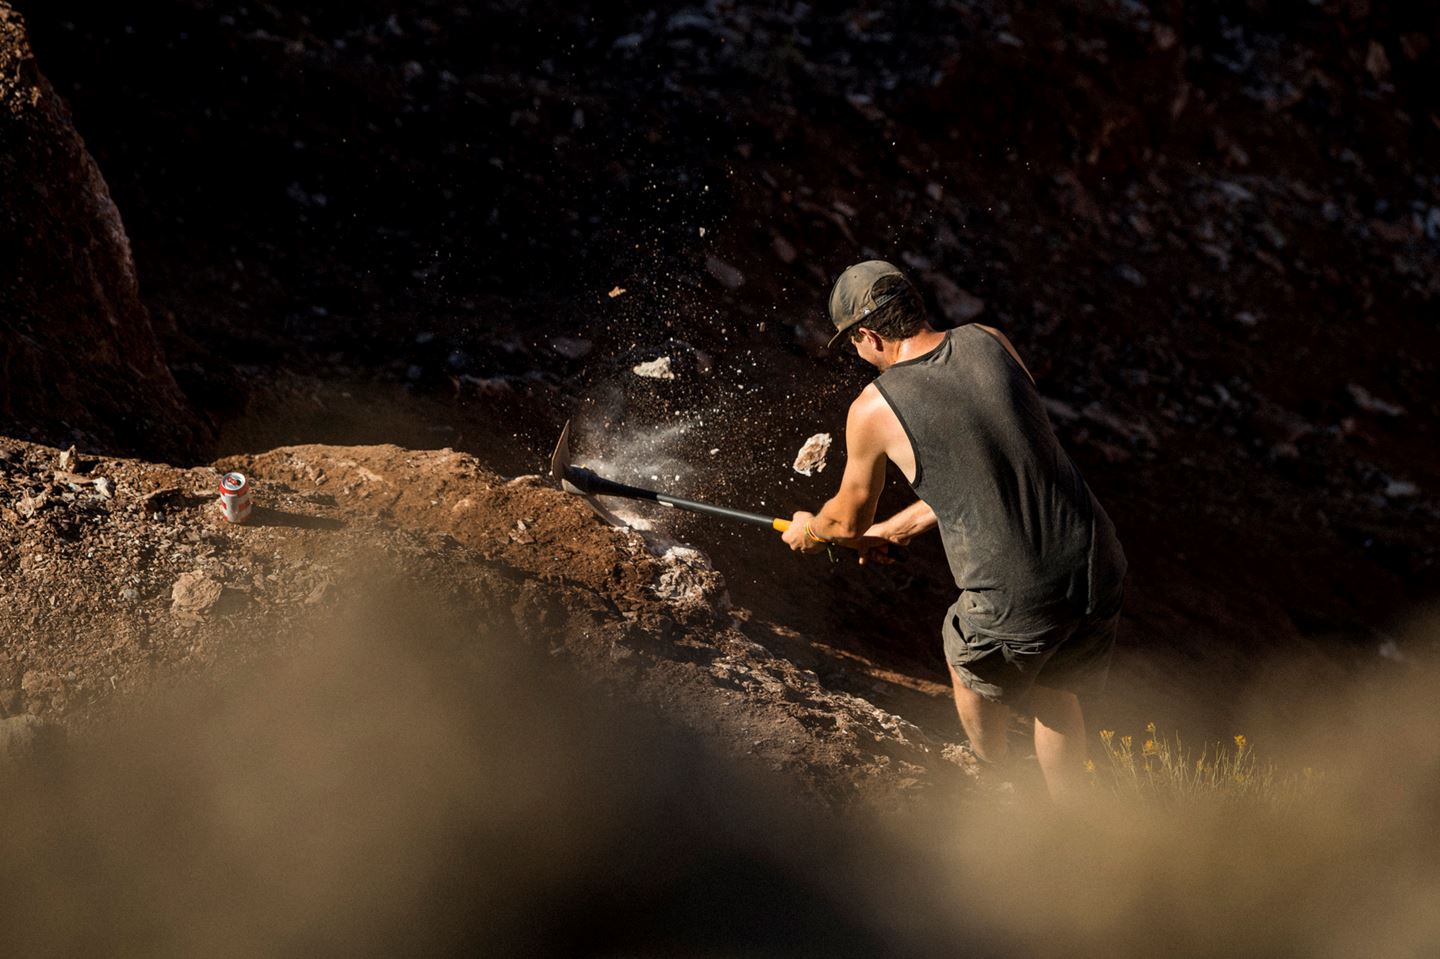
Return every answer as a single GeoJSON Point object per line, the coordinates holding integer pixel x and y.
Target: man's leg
{"type": "Point", "coordinates": [985, 722]}
{"type": "Point", "coordinates": [1060, 742]}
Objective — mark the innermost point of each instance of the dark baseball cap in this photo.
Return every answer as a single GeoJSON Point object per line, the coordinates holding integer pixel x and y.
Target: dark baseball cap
{"type": "Point", "coordinates": [855, 295]}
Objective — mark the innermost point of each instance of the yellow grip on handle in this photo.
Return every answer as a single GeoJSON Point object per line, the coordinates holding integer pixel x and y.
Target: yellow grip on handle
{"type": "Point", "coordinates": [780, 525]}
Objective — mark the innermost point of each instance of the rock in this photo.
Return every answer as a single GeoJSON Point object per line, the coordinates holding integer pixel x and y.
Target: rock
{"type": "Point", "coordinates": [1060, 410]}
{"type": "Point", "coordinates": [194, 594]}
{"type": "Point", "coordinates": [1377, 63]}
{"type": "Point", "coordinates": [1137, 433]}
{"type": "Point", "coordinates": [811, 458]}
{"type": "Point", "coordinates": [728, 276]}
{"type": "Point", "coordinates": [1401, 489]}
{"type": "Point", "coordinates": [959, 306]}
{"type": "Point", "coordinates": [1073, 196]}
{"type": "Point", "coordinates": [39, 688]}
{"type": "Point", "coordinates": [1130, 275]}
{"type": "Point", "coordinates": [1282, 428]}
{"type": "Point", "coordinates": [784, 249]}
{"type": "Point", "coordinates": [1401, 232]}
{"type": "Point", "coordinates": [689, 19]}
{"type": "Point", "coordinates": [81, 353]}
{"type": "Point", "coordinates": [1233, 192]}
{"type": "Point", "coordinates": [690, 584]}
{"type": "Point", "coordinates": [27, 738]}
{"type": "Point", "coordinates": [27, 505]}
{"type": "Point", "coordinates": [656, 369]}
{"type": "Point", "coordinates": [1370, 404]}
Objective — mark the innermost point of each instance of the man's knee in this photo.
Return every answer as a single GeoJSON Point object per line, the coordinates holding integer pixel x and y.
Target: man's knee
{"type": "Point", "coordinates": [1057, 709]}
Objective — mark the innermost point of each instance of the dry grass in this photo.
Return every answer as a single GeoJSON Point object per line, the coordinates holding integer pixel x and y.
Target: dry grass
{"type": "Point", "coordinates": [1162, 769]}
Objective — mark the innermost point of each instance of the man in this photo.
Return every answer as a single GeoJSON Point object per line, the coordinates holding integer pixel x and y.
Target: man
{"type": "Point", "coordinates": [1036, 559]}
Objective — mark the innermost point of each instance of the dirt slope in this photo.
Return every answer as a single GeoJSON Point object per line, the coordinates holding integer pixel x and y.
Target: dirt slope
{"type": "Point", "coordinates": [119, 576]}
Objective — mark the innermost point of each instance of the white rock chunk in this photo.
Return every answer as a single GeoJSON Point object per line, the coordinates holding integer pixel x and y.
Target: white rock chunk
{"type": "Point", "coordinates": [811, 458]}
{"type": "Point", "coordinates": [656, 369]}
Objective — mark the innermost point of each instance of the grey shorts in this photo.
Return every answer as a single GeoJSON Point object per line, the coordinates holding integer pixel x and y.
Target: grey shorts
{"type": "Point", "coordinates": [1074, 657]}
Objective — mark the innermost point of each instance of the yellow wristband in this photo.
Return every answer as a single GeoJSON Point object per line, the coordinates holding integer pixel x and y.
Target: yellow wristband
{"type": "Point", "coordinates": [810, 534]}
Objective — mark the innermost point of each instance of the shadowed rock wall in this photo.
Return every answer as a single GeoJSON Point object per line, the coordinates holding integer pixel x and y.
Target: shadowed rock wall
{"type": "Point", "coordinates": [79, 360]}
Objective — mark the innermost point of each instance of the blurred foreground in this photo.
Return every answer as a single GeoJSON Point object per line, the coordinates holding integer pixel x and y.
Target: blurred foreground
{"type": "Point", "coordinates": [416, 783]}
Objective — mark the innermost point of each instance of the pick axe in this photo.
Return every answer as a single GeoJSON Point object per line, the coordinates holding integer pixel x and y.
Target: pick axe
{"type": "Point", "coordinates": [587, 483]}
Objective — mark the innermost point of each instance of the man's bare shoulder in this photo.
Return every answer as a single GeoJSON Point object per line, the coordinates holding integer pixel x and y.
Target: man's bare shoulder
{"type": "Point", "coordinates": [874, 429]}
{"type": "Point", "coordinates": [869, 394]}
{"type": "Point", "coordinates": [869, 404]}
{"type": "Point", "coordinates": [871, 415]}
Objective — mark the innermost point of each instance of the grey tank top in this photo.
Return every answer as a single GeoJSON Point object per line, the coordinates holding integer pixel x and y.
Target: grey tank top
{"type": "Point", "coordinates": [1030, 547]}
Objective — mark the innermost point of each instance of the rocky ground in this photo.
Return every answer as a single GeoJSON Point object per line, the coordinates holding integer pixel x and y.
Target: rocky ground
{"type": "Point", "coordinates": [121, 577]}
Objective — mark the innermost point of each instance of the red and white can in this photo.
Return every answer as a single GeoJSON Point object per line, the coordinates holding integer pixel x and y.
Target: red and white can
{"type": "Point", "coordinates": [235, 497]}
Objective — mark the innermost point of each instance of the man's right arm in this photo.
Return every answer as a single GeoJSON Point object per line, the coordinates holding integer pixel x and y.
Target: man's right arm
{"type": "Point", "coordinates": [905, 525]}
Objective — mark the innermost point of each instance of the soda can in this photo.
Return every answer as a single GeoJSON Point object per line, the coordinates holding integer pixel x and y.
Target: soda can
{"type": "Point", "coordinates": [235, 497]}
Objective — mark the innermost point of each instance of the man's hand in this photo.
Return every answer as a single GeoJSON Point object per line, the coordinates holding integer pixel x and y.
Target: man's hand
{"type": "Point", "coordinates": [797, 539]}
{"type": "Point", "coordinates": [875, 549]}
{"type": "Point", "coordinates": [905, 525]}
{"type": "Point", "coordinates": [887, 532]}
{"type": "Point", "coordinates": [875, 545]}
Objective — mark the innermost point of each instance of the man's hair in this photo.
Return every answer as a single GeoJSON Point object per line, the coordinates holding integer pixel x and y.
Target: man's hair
{"type": "Point", "coordinates": [900, 318]}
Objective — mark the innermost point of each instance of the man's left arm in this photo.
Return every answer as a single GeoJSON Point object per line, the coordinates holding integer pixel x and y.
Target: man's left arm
{"type": "Point", "coordinates": [851, 511]}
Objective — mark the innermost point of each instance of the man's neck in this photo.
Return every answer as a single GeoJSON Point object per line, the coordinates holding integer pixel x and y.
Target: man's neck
{"type": "Point", "coordinates": [917, 345]}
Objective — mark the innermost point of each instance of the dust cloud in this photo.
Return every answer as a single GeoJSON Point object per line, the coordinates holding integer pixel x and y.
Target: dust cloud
{"type": "Point", "coordinates": [417, 783]}
{"type": "Point", "coordinates": [413, 784]}
{"type": "Point", "coordinates": [1348, 866]}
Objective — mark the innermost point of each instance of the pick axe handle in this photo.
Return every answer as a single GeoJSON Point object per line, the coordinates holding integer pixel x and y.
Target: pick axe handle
{"type": "Point", "coordinates": [588, 483]}
{"type": "Point", "coordinates": [598, 485]}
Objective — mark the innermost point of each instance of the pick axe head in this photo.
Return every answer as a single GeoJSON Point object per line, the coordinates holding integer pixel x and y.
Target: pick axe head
{"type": "Point", "coordinates": [576, 479]}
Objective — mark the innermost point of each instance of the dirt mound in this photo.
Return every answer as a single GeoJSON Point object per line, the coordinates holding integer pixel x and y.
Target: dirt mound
{"type": "Point", "coordinates": [81, 362]}
{"type": "Point", "coordinates": [120, 576]}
